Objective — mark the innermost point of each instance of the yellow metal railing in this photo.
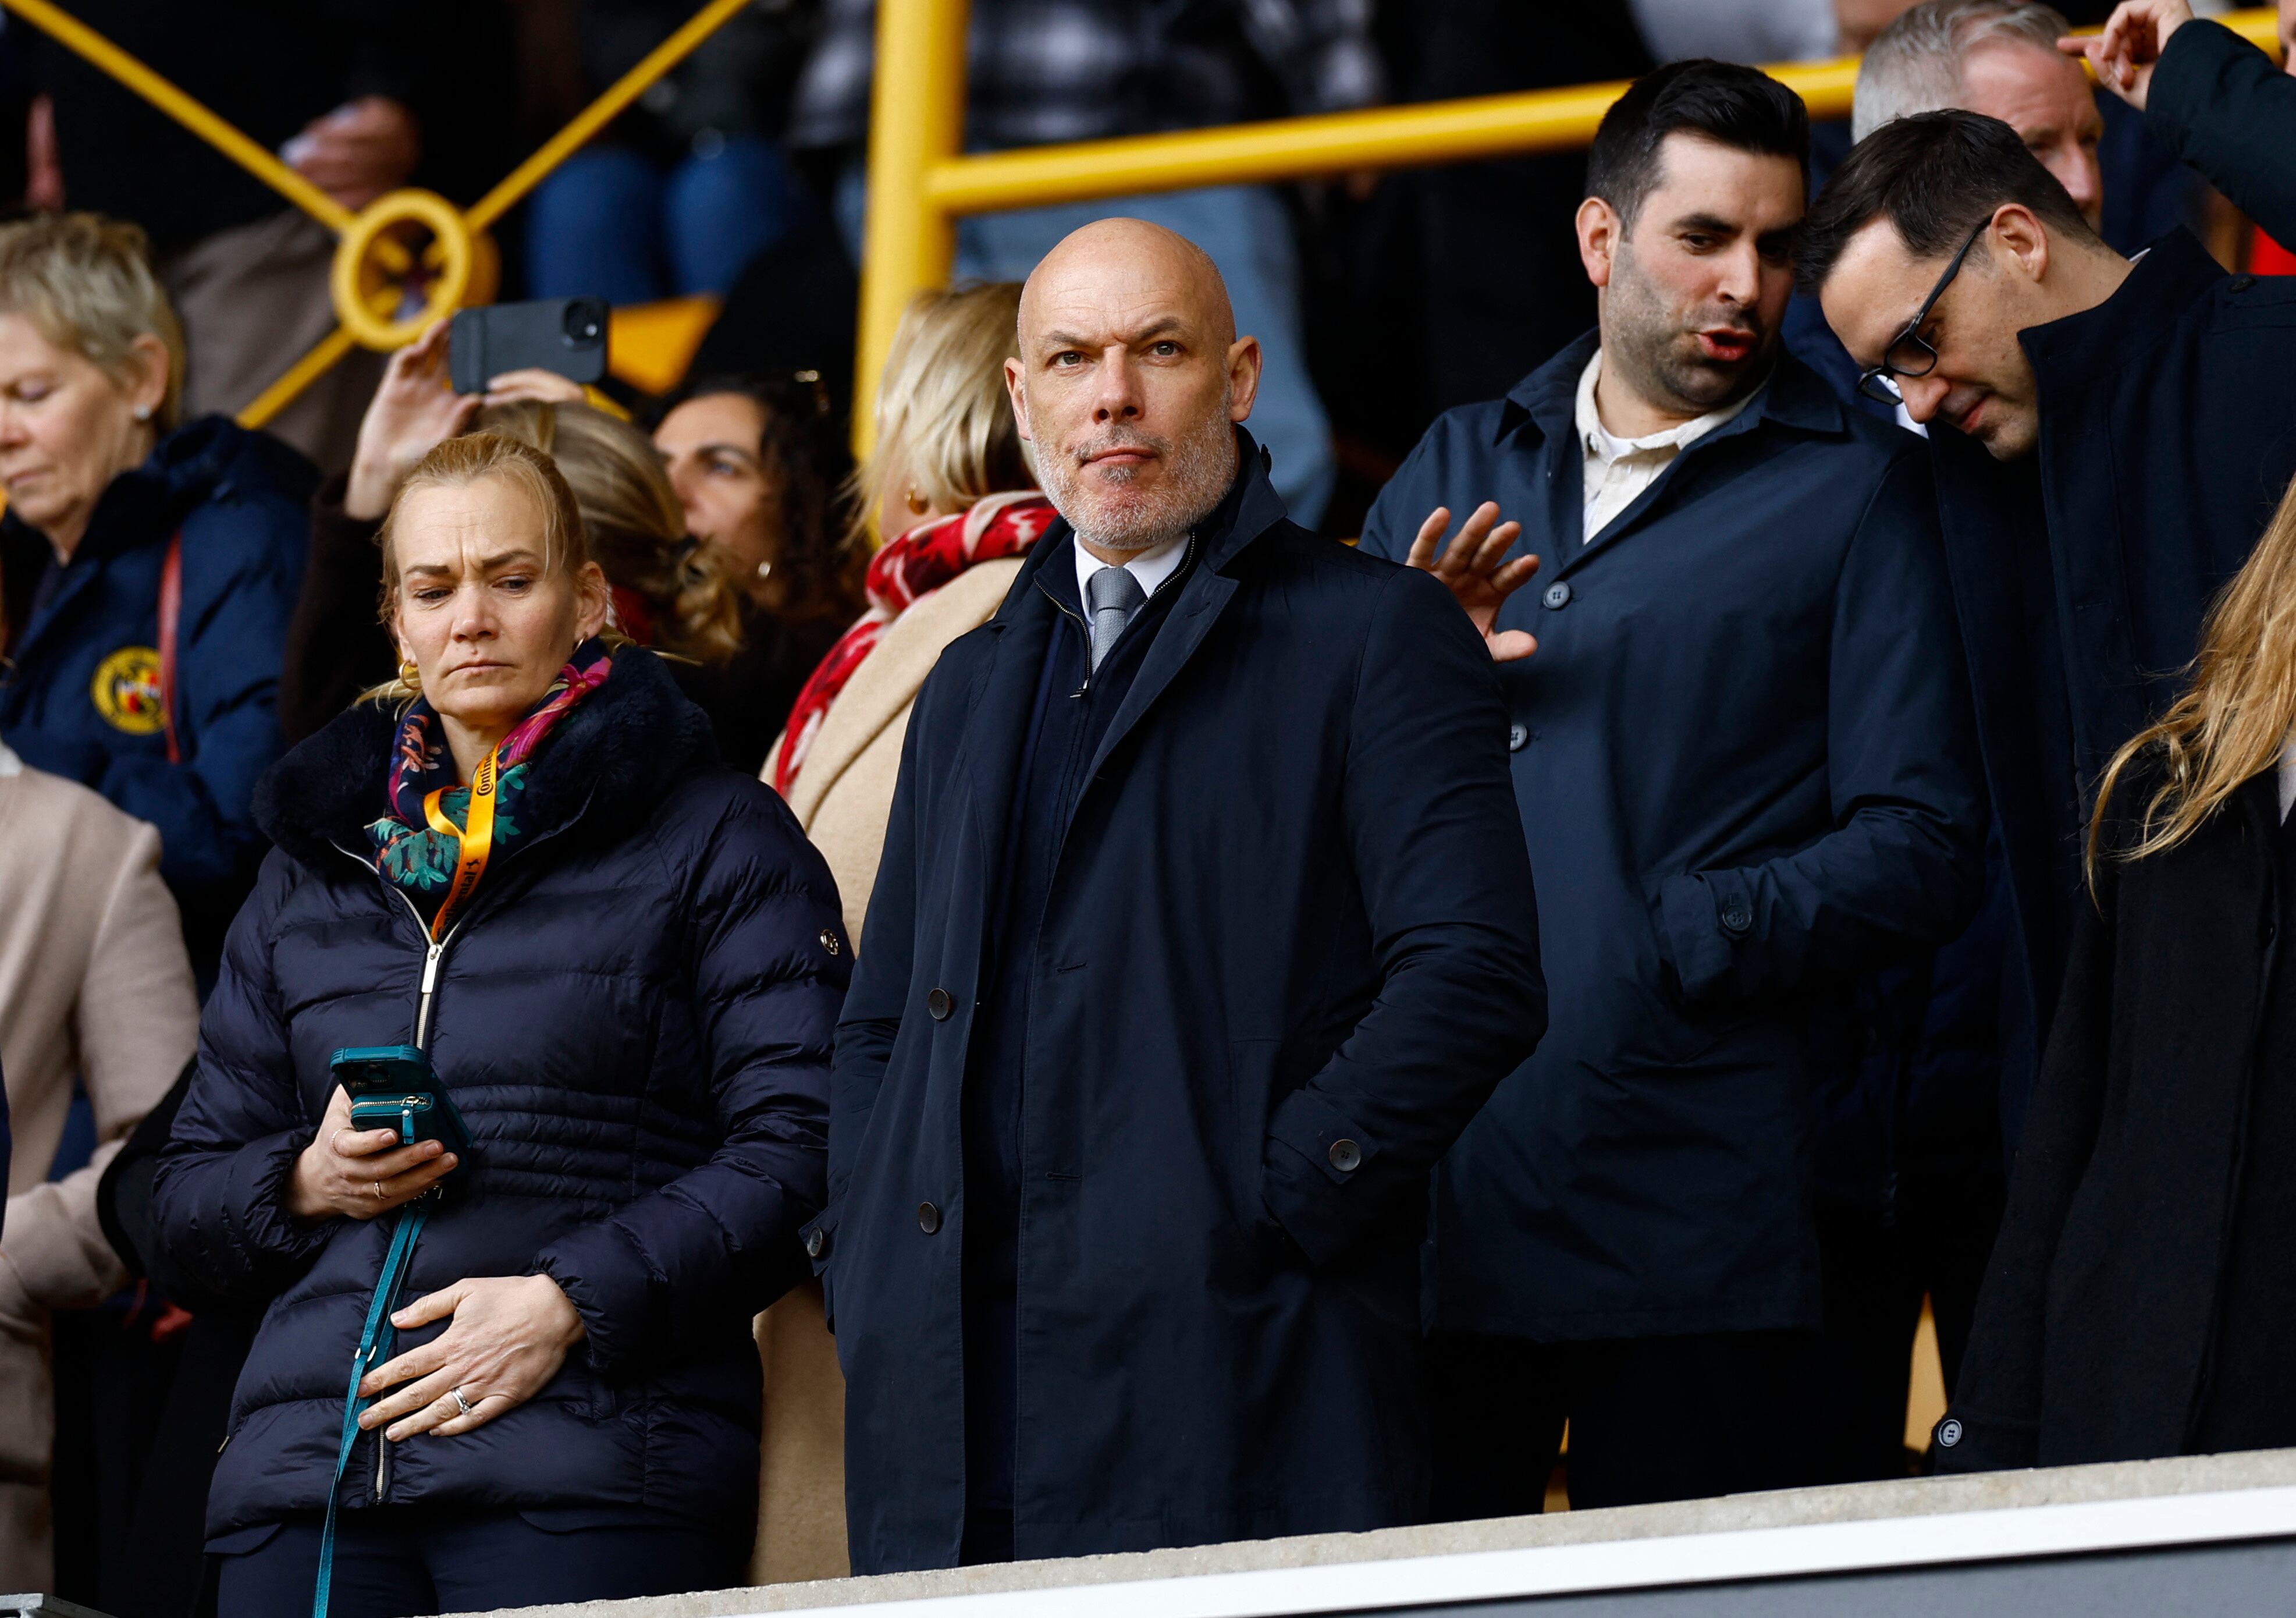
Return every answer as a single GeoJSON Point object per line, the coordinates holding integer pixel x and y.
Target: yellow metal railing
{"type": "Point", "coordinates": [920, 182]}
{"type": "Point", "coordinates": [371, 261]}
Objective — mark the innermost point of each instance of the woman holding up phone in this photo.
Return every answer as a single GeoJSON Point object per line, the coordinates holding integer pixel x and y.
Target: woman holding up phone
{"type": "Point", "coordinates": [624, 966]}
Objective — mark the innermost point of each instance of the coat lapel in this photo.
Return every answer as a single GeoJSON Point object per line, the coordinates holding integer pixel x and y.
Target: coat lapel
{"type": "Point", "coordinates": [1002, 698]}
{"type": "Point", "coordinates": [2076, 361]}
{"type": "Point", "coordinates": [1257, 508]}
{"type": "Point", "coordinates": [1794, 396]}
{"type": "Point", "coordinates": [1542, 404]}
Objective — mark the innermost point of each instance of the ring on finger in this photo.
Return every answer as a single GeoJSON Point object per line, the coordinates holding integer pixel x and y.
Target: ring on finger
{"type": "Point", "coordinates": [462, 1407]}
{"type": "Point", "coordinates": [378, 1187]}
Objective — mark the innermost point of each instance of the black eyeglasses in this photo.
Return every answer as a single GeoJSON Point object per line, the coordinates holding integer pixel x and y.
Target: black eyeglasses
{"type": "Point", "coordinates": [1910, 355]}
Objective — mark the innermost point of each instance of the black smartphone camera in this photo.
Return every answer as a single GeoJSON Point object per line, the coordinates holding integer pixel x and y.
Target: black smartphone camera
{"type": "Point", "coordinates": [392, 1087]}
{"type": "Point", "coordinates": [567, 335]}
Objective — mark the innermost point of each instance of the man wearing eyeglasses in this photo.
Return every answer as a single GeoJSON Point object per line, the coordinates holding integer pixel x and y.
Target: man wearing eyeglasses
{"type": "Point", "coordinates": [1740, 755]}
{"type": "Point", "coordinates": [2120, 431]}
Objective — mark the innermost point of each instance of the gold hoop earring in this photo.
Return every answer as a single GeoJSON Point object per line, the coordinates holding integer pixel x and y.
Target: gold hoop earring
{"type": "Point", "coordinates": [917, 507]}
{"type": "Point", "coordinates": [409, 676]}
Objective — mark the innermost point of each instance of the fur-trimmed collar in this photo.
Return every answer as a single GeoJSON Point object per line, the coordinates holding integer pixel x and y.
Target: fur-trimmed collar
{"type": "Point", "coordinates": [609, 761]}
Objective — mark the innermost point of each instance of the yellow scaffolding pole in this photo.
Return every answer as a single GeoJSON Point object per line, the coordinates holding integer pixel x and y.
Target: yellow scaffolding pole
{"type": "Point", "coordinates": [75, 36]}
{"type": "Point", "coordinates": [918, 184]}
{"type": "Point", "coordinates": [916, 119]}
{"type": "Point", "coordinates": [367, 239]}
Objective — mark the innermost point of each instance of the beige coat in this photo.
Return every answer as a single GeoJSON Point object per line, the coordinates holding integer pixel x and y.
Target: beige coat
{"type": "Point", "coordinates": [94, 983]}
{"type": "Point", "coordinates": [843, 798]}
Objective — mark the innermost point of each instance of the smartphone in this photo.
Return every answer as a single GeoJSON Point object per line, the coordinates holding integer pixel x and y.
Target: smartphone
{"type": "Point", "coordinates": [567, 335]}
{"type": "Point", "coordinates": [392, 1087]}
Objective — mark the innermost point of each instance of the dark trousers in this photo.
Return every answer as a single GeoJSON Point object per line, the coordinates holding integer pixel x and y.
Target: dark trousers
{"type": "Point", "coordinates": [1650, 1418]}
{"type": "Point", "coordinates": [398, 1560]}
{"type": "Point", "coordinates": [1877, 1270]}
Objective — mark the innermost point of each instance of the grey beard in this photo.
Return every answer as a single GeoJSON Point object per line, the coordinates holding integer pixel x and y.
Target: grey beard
{"type": "Point", "coordinates": [1199, 470]}
{"type": "Point", "coordinates": [1133, 541]}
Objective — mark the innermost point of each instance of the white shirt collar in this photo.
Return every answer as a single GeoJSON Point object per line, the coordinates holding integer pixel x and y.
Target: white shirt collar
{"type": "Point", "coordinates": [1150, 568]}
{"type": "Point", "coordinates": [1602, 443]}
{"type": "Point", "coordinates": [9, 764]}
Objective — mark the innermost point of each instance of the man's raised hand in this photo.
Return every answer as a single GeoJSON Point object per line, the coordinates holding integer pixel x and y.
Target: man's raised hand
{"type": "Point", "coordinates": [2126, 53]}
{"type": "Point", "coordinates": [1471, 565]}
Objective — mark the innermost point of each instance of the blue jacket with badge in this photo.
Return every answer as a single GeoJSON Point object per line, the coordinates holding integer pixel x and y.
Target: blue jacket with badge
{"type": "Point", "coordinates": [1744, 761]}
{"type": "Point", "coordinates": [80, 694]}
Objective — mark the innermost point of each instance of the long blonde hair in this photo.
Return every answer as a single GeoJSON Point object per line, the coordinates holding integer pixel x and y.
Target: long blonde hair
{"type": "Point", "coordinates": [943, 415]}
{"type": "Point", "coordinates": [636, 523]}
{"type": "Point", "coordinates": [2233, 721]}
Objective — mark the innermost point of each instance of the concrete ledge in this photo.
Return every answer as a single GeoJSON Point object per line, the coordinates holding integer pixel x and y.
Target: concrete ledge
{"type": "Point", "coordinates": [2127, 1481]}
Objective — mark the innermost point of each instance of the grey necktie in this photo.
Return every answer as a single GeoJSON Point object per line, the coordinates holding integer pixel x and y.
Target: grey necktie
{"type": "Point", "coordinates": [1112, 595]}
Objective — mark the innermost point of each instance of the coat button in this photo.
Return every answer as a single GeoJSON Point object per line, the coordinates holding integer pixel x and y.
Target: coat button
{"type": "Point", "coordinates": [928, 1218]}
{"type": "Point", "coordinates": [1346, 1156]}
{"type": "Point", "coordinates": [1948, 1432]}
{"type": "Point", "coordinates": [816, 1243]}
{"type": "Point", "coordinates": [938, 1003]}
{"type": "Point", "coordinates": [1557, 597]}
{"type": "Point", "coordinates": [1517, 735]}
{"type": "Point", "coordinates": [1737, 918]}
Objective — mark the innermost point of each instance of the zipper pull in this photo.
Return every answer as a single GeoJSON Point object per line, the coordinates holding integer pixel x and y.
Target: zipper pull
{"type": "Point", "coordinates": [434, 949]}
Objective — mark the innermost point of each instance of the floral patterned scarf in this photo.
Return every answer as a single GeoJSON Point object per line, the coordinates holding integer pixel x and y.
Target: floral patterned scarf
{"type": "Point", "coordinates": [910, 566]}
{"type": "Point", "coordinates": [421, 861]}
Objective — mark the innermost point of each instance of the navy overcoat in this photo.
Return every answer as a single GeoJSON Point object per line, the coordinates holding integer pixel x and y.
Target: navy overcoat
{"type": "Point", "coordinates": [1743, 762]}
{"type": "Point", "coordinates": [2082, 575]}
{"type": "Point", "coordinates": [1288, 946]}
{"type": "Point", "coordinates": [633, 1015]}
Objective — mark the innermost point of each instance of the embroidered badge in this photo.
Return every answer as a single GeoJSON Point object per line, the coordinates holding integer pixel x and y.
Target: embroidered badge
{"type": "Point", "coordinates": [126, 691]}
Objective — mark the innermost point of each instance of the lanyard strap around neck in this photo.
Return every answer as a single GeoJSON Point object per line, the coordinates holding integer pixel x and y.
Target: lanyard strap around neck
{"type": "Point", "coordinates": [476, 836]}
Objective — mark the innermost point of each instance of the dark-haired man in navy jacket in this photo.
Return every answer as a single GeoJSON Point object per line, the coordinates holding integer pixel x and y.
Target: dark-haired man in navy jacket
{"type": "Point", "coordinates": [1742, 761]}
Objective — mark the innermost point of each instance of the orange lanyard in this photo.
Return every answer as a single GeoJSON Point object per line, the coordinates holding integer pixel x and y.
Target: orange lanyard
{"type": "Point", "coordinates": [476, 836]}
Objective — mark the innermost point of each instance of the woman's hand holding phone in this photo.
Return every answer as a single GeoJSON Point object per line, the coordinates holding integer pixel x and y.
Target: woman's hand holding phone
{"type": "Point", "coordinates": [360, 1173]}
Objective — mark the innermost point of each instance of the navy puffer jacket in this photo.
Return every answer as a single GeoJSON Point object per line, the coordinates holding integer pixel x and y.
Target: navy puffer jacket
{"type": "Point", "coordinates": [634, 1016]}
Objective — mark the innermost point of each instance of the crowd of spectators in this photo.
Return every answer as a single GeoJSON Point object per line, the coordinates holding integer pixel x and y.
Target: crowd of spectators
{"type": "Point", "coordinates": [1218, 1138]}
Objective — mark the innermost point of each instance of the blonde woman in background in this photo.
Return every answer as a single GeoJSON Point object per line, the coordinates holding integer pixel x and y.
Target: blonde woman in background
{"type": "Point", "coordinates": [2140, 1300]}
{"type": "Point", "coordinates": [950, 482]}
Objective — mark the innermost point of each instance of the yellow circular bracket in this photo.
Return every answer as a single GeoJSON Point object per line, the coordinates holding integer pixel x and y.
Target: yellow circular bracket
{"type": "Point", "coordinates": [370, 263]}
